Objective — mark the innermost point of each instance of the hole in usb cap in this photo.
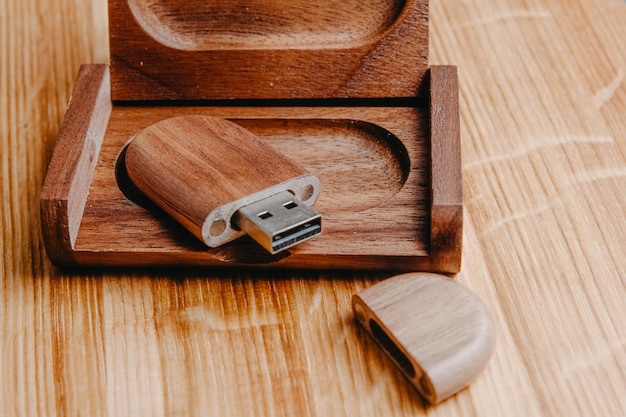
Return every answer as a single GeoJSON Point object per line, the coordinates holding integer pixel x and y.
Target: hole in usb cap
{"type": "Point", "coordinates": [265, 215]}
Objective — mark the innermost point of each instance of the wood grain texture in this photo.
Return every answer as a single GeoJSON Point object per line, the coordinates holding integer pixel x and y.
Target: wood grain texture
{"type": "Point", "coordinates": [446, 187]}
{"type": "Point", "coordinates": [201, 170]}
{"type": "Point", "coordinates": [436, 331]}
{"type": "Point", "coordinates": [64, 194]}
{"type": "Point", "coordinates": [542, 98]}
{"type": "Point", "coordinates": [372, 162]}
{"type": "Point", "coordinates": [267, 49]}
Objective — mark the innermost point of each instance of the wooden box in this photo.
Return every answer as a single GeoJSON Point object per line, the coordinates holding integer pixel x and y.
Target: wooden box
{"type": "Point", "coordinates": [344, 88]}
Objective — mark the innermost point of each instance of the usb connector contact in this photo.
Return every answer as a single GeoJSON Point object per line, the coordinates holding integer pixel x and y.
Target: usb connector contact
{"type": "Point", "coordinates": [279, 222]}
{"type": "Point", "coordinates": [220, 182]}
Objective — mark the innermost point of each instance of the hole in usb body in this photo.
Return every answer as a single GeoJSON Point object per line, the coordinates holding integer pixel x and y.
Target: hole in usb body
{"type": "Point", "coordinates": [266, 214]}
{"type": "Point", "coordinates": [290, 205]}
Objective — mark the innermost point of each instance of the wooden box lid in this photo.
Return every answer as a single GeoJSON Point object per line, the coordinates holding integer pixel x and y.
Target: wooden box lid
{"type": "Point", "coordinates": [267, 49]}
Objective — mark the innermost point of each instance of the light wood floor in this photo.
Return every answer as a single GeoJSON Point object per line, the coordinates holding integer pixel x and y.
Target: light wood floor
{"type": "Point", "coordinates": [543, 110]}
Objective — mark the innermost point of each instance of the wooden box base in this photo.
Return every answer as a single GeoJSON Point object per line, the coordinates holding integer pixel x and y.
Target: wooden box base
{"type": "Point", "coordinates": [391, 182]}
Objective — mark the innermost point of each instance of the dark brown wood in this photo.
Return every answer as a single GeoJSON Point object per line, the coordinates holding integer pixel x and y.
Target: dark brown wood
{"type": "Point", "coordinates": [391, 181]}
{"type": "Point", "coordinates": [446, 233]}
{"type": "Point", "coordinates": [374, 164]}
{"type": "Point", "coordinates": [73, 161]}
{"type": "Point", "coordinates": [196, 49]}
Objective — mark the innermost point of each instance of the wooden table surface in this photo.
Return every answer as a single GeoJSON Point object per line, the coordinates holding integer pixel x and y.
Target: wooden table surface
{"type": "Point", "coordinates": [543, 109]}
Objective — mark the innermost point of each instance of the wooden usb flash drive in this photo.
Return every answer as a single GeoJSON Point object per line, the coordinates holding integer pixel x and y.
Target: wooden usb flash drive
{"type": "Point", "coordinates": [220, 181]}
{"type": "Point", "coordinates": [435, 330]}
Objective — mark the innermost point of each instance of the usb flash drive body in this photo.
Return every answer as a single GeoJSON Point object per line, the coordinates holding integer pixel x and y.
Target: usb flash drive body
{"type": "Point", "coordinates": [220, 181]}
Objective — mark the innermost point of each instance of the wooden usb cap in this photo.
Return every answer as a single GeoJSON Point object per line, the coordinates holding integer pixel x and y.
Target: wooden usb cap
{"type": "Point", "coordinates": [435, 330]}
{"type": "Point", "coordinates": [220, 181]}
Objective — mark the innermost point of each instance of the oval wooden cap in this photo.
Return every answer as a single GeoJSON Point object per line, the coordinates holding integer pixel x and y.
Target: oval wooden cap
{"type": "Point", "coordinates": [434, 329]}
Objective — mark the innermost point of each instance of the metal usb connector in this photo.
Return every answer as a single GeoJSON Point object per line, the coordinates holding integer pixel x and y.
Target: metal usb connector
{"type": "Point", "coordinates": [278, 222]}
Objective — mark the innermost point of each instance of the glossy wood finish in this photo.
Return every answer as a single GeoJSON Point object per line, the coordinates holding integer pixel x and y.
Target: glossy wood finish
{"type": "Point", "coordinates": [542, 98]}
